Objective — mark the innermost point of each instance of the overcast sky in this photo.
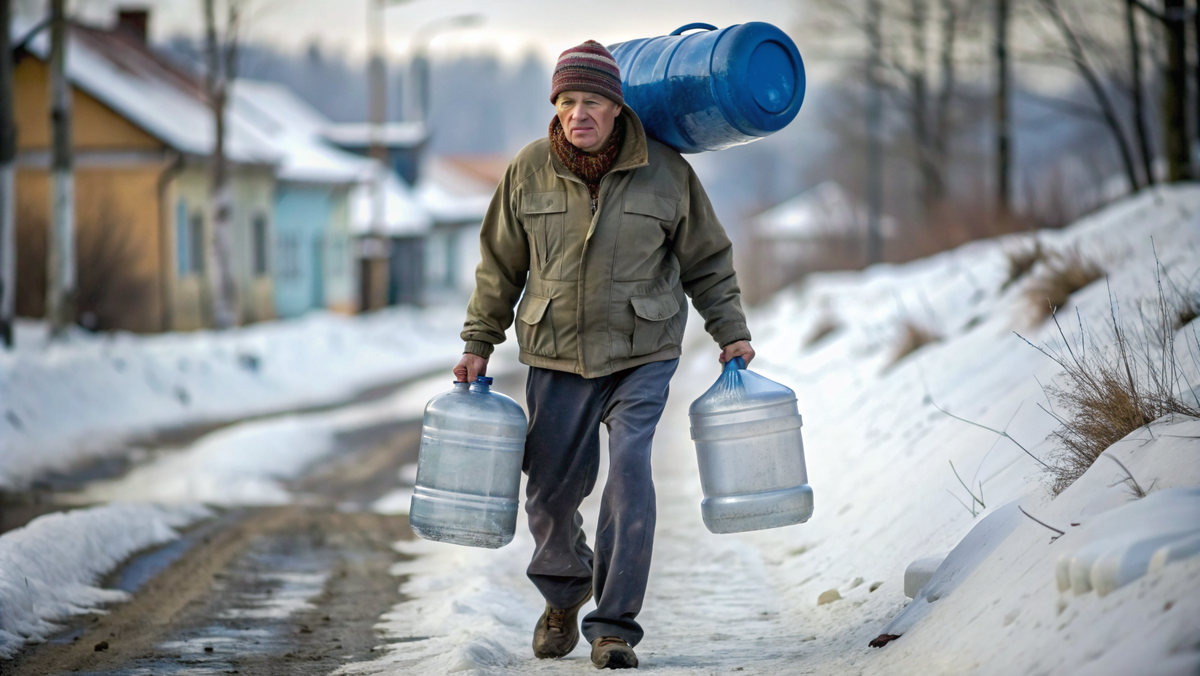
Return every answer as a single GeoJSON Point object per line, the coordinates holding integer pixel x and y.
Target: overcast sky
{"type": "Point", "coordinates": [509, 27]}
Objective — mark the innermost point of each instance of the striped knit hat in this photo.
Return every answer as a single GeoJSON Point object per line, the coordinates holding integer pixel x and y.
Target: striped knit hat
{"type": "Point", "coordinates": [587, 68]}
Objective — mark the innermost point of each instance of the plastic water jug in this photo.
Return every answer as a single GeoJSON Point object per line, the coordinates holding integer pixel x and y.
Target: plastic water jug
{"type": "Point", "coordinates": [712, 90]}
{"type": "Point", "coordinates": [469, 467]}
{"type": "Point", "coordinates": [747, 434]}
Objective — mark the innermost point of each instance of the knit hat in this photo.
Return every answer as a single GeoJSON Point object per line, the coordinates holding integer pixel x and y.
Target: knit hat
{"type": "Point", "coordinates": [587, 68]}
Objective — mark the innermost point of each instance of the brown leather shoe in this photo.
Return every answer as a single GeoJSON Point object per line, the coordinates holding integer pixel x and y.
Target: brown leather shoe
{"type": "Point", "coordinates": [610, 652]}
{"type": "Point", "coordinates": [557, 631]}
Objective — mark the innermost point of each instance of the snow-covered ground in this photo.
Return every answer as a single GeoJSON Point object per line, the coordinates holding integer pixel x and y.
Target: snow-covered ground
{"type": "Point", "coordinates": [879, 456]}
{"type": "Point", "coordinates": [90, 394]}
{"type": "Point", "coordinates": [49, 568]}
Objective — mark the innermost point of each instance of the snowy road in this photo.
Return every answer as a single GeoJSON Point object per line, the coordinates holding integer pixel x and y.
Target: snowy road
{"type": "Point", "coordinates": [714, 603]}
{"type": "Point", "coordinates": [293, 589]}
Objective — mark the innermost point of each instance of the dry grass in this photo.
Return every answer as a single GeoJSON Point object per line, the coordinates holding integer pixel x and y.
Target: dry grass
{"type": "Point", "coordinates": [825, 326]}
{"type": "Point", "coordinates": [1185, 307]}
{"type": "Point", "coordinates": [913, 337]}
{"type": "Point", "coordinates": [1105, 392]}
{"type": "Point", "coordinates": [1021, 260]}
{"type": "Point", "coordinates": [1061, 274]}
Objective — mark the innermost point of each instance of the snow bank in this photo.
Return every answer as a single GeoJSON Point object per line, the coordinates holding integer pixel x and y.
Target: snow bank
{"type": "Point", "coordinates": [49, 568]}
{"type": "Point", "coordinates": [249, 463]}
{"type": "Point", "coordinates": [63, 401]}
{"type": "Point", "coordinates": [879, 457]}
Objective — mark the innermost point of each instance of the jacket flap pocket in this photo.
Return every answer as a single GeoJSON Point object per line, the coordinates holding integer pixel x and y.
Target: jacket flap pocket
{"type": "Point", "coordinates": [649, 204]}
{"type": "Point", "coordinates": [655, 308]}
{"type": "Point", "coordinates": [544, 202]}
{"type": "Point", "coordinates": [535, 307]}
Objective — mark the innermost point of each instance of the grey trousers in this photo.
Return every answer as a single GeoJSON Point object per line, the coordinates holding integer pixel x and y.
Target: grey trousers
{"type": "Point", "coordinates": [562, 455]}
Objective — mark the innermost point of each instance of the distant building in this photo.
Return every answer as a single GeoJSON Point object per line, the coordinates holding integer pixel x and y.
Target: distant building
{"type": "Point", "coordinates": [313, 258]}
{"type": "Point", "coordinates": [389, 223]}
{"type": "Point", "coordinates": [403, 142]}
{"type": "Point", "coordinates": [822, 228]}
{"type": "Point", "coordinates": [143, 133]}
{"type": "Point", "coordinates": [391, 227]}
{"type": "Point", "coordinates": [456, 191]}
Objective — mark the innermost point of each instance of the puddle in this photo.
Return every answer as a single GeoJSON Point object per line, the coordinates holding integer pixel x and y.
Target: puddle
{"type": "Point", "coordinates": [250, 615]}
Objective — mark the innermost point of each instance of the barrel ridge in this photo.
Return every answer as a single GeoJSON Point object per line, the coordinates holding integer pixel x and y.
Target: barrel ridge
{"type": "Point", "coordinates": [749, 428]}
{"type": "Point", "coordinates": [712, 81]}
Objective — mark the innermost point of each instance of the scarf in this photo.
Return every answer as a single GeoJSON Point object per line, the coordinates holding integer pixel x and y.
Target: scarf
{"type": "Point", "coordinates": [589, 168]}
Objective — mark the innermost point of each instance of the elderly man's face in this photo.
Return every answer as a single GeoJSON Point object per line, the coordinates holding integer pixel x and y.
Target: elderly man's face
{"type": "Point", "coordinates": [587, 119]}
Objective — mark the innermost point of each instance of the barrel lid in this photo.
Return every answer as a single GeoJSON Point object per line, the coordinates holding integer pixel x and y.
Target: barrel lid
{"type": "Point", "coordinates": [759, 77]}
{"type": "Point", "coordinates": [740, 390]}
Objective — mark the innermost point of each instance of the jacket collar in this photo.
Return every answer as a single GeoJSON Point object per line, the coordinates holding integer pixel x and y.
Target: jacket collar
{"type": "Point", "coordinates": [634, 148]}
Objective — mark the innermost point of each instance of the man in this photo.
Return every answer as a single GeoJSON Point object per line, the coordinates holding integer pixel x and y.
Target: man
{"type": "Point", "coordinates": [603, 230]}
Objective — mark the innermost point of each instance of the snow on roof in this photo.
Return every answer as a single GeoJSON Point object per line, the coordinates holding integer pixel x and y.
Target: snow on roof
{"type": "Point", "coordinates": [294, 127]}
{"type": "Point", "coordinates": [403, 214]}
{"type": "Point", "coordinates": [393, 134]}
{"type": "Point", "coordinates": [451, 192]}
{"type": "Point", "coordinates": [125, 75]}
{"type": "Point", "coordinates": [821, 211]}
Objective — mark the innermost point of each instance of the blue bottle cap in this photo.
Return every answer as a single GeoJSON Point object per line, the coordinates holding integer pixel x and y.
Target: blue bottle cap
{"type": "Point", "coordinates": [483, 380]}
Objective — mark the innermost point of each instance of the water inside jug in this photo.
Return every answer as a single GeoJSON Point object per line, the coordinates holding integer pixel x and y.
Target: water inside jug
{"type": "Point", "coordinates": [751, 455]}
{"type": "Point", "coordinates": [469, 467]}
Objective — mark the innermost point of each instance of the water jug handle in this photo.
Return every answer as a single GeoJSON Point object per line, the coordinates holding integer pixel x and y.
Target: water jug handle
{"type": "Point", "coordinates": [691, 26]}
{"type": "Point", "coordinates": [735, 364]}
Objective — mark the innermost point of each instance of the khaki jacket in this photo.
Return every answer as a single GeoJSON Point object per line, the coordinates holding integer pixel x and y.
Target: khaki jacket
{"type": "Point", "coordinates": [606, 292]}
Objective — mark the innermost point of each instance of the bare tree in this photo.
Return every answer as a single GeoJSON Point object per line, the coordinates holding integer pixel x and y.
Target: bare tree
{"type": "Point", "coordinates": [1095, 84]}
{"type": "Point", "coordinates": [8, 167]}
{"type": "Point", "coordinates": [1139, 107]}
{"type": "Point", "coordinates": [874, 133]}
{"type": "Point", "coordinates": [60, 290]}
{"type": "Point", "coordinates": [221, 57]}
{"type": "Point", "coordinates": [1002, 108]}
{"type": "Point", "coordinates": [1175, 92]}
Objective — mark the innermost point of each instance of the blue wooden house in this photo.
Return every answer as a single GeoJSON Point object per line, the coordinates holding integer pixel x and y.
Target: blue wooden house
{"type": "Point", "coordinates": [313, 254]}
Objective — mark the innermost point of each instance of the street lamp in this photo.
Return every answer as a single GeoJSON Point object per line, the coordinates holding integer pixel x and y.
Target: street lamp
{"type": "Point", "coordinates": [420, 62]}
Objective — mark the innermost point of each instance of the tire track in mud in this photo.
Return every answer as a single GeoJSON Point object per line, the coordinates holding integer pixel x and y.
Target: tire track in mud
{"type": "Point", "coordinates": [283, 590]}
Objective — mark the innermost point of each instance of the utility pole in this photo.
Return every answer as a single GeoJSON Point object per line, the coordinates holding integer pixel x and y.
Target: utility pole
{"type": "Point", "coordinates": [375, 261]}
{"type": "Point", "coordinates": [1003, 124]}
{"type": "Point", "coordinates": [8, 157]}
{"type": "Point", "coordinates": [222, 68]}
{"type": "Point", "coordinates": [60, 288]}
{"type": "Point", "coordinates": [874, 133]}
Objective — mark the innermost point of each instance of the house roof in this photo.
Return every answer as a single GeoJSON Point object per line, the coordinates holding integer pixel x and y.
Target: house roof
{"type": "Point", "coordinates": [294, 127]}
{"type": "Point", "coordinates": [459, 189]}
{"type": "Point", "coordinates": [392, 134]}
{"type": "Point", "coordinates": [124, 74]}
{"type": "Point", "coordinates": [402, 214]}
{"type": "Point", "coordinates": [825, 210]}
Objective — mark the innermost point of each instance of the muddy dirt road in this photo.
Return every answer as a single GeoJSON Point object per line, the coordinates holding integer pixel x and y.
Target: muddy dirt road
{"type": "Point", "coordinates": [284, 590]}
{"type": "Point", "coordinates": [296, 589]}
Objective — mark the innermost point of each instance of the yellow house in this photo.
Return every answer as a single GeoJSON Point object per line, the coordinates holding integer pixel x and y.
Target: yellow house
{"type": "Point", "coordinates": [142, 134]}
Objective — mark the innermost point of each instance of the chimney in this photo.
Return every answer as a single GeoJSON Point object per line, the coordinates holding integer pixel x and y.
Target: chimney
{"type": "Point", "coordinates": [134, 21]}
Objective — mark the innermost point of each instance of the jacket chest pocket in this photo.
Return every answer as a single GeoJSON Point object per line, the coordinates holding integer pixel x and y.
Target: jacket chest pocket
{"type": "Point", "coordinates": [645, 223]}
{"type": "Point", "coordinates": [544, 215]}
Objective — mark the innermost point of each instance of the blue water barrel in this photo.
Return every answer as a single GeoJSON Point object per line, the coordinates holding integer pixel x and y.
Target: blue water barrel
{"type": "Point", "coordinates": [714, 89]}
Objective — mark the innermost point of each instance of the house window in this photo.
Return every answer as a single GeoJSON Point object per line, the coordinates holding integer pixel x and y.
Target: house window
{"type": "Point", "coordinates": [259, 229]}
{"type": "Point", "coordinates": [183, 260]}
{"type": "Point", "coordinates": [196, 243]}
{"type": "Point", "coordinates": [289, 257]}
